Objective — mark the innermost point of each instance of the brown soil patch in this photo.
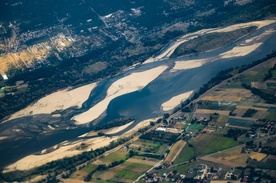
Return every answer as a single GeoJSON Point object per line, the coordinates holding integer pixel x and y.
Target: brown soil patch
{"type": "Point", "coordinates": [230, 95]}
{"type": "Point", "coordinates": [258, 156]}
{"type": "Point", "coordinates": [208, 111]}
{"type": "Point", "coordinates": [79, 175]}
{"type": "Point", "coordinates": [72, 181]}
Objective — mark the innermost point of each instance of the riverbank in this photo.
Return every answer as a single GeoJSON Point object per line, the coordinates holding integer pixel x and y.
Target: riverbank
{"type": "Point", "coordinates": [69, 149]}
{"type": "Point", "coordinates": [175, 101]}
{"type": "Point", "coordinates": [56, 101]}
{"type": "Point", "coordinates": [133, 82]}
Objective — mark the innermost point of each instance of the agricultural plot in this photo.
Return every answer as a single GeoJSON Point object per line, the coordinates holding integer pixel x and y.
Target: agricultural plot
{"type": "Point", "coordinates": [185, 154]}
{"type": "Point", "coordinates": [81, 174]}
{"type": "Point", "coordinates": [207, 111]}
{"type": "Point", "coordinates": [115, 156]}
{"type": "Point", "coordinates": [195, 128]}
{"type": "Point", "coordinates": [126, 172]}
{"type": "Point", "coordinates": [239, 111]}
{"type": "Point", "coordinates": [209, 143]}
{"type": "Point", "coordinates": [217, 105]}
{"type": "Point", "coordinates": [256, 74]}
{"type": "Point", "coordinates": [271, 116]}
{"type": "Point", "coordinates": [175, 151]}
{"type": "Point", "coordinates": [267, 163]}
{"type": "Point", "coordinates": [147, 146]}
{"type": "Point", "coordinates": [179, 125]}
{"type": "Point", "coordinates": [240, 122]}
{"type": "Point", "coordinates": [220, 161]}
{"type": "Point", "coordinates": [271, 84]}
{"type": "Point", "coordinates": [222, 120]}
{"type": "Point", "coordinates": [160, 136]}
{"type": "Point", "coordinates": [233, 156]}
{"type": "Point", "coordinates": [258, 156]}
{"type": "Point", "coordinates": [230, 95]}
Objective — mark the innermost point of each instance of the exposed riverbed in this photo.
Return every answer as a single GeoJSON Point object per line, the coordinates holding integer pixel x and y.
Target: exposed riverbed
{"type": "Point", "coordinates": [144, 101]}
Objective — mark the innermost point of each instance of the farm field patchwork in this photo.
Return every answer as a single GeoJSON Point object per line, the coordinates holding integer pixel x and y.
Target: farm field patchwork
{"type": "Point", "coordinates": [209, 143]}
{"type": "Point", "coordinates": [175, 151]}
{"type": "Point", "coordinates": [126, 172]}
{"type": "Point", "coordinates": [186, 154]}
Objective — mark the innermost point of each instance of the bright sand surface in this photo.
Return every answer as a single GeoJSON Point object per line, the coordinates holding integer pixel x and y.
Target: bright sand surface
{"type": "Point", "coordinates": [32, 161]}
{"type": "Point", "coordinates": [240, 51]}
{"type": "Point", "coordinates": [259, 24]}
{"type": "Point", "coordinates": [68, 150]}
{"type": "Point", "coordinates": [168, 52]}
{"type": "Point", "coordinates": [57, 101]}
{"type": "Point", "coordinates": [118, 129]}
{"type": "Point", "coordinates": [173, 102]}
{"type": "Point", "coordinates": [133, 82]}
{"type": "Point", "coordinates": [189, 64]}
{"type": "Point", "coordinates": [140, 125]}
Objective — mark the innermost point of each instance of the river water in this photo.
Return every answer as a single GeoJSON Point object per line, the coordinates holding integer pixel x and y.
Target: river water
{"type": "Point", "coordinates": [143, 104]}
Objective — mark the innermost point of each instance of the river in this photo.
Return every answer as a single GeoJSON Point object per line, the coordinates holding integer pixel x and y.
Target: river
{"type": "Point", "coordinates": [143, 104]}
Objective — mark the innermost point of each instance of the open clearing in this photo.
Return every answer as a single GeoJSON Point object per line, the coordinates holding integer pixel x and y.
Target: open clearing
{"type": "Point", "coordinates": [258, 156]}
{"type": "Point", "coordinates": [230, 95]}
{"type": "Point", "coordinates": [126, 172]}
{"type": "Point", "coordinates": [209, 143]}
{"type": "Point", "coordinates": [175, 150]}
{"type": "Point", "coordinates": [141, 161]}
{"type": "Point", "coordinates": [150, 146]}
{"type": "Point", "coordinates": [115, 156]}
{"type": "Point", "coordinates": [208, 111]}
{"type": "Point", "coordinates": [185, 154]}
{"type": "Point", "coordinates": [233, 155]}
{"type": "Point", "coordinates": [220, 161]}
{"type": "Point", "coordinates": [222, 120]}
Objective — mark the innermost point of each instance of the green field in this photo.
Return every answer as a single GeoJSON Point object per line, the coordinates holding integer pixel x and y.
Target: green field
{"type": "Point", "coordinates": [240, 122]}
{"type": "Point", "coordinates": [271, 116]}
{"type": "Point", "coordinates": [257, 74]}
{"type": "Point", "coordinates": [126, 172]}
{"type": "Point", "coordinates": [2, 90]}
{"type": "Point", "coordinates": [186, 154]}
{"type": "Point", "coordinates": [89, 168]}
{"type": "Point", "coordinates": [132, 170]}
{"type": "Point", "coordinates": [208, 143]}
{"type": "Point", "coordinates": [151, 146]}
{"type": "Point", "coordinates": [196, 127]}
{"type": "Point", "coordinates": [115, 156]}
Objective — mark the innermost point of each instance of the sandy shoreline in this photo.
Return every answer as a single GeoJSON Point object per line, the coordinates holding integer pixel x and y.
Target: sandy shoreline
{"type": "Point", "coordinates": [167, 53]}
{"type": "Point", "coordinates": [240, 51]}
{"type": "Point", "coordinates": [128, 84]}
{"type": "Point", "coordinates": [69, 150]}
{"type": "Point", "coordinates": [174, 101]}
{"type": "Point", "coordinates": [32, 161]}
{"type": "Point", "coordinates": [189, 64]}
{"type": "Point", "coordinates": [57, 101]}
{"type": "Point", "coordinates": [117, 129]}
